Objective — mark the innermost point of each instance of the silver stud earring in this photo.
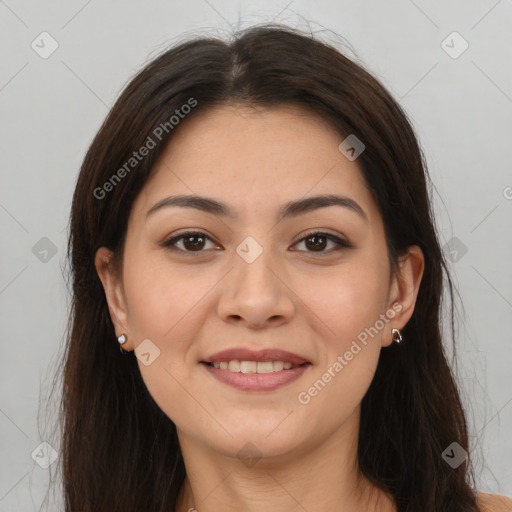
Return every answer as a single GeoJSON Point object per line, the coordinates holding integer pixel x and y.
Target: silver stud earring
{"type": "Point", "coordinates": [397, 337]}
{"type": "Point", "coordinates": [122, 340]}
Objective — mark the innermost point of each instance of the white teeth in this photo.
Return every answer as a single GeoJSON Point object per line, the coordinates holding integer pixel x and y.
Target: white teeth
{"type": "Point", "coordinates": [234, 366]}
{"type": "Point", "coordinates": [265, 367]}
{"type": "Point", "coordinates": [254, 366]}
{"type": "Point", "coordinates": [278, 366]}
{"type": "Point", "coordinates": [248, 366]}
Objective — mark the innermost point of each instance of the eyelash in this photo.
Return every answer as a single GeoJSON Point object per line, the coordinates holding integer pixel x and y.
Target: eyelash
{"type": "Point", "coordinates": [342, 244]}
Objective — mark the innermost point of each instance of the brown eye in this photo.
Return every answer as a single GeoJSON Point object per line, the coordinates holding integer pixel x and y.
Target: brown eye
{"type": "Point", "coordinates": [317, 241]}
{"type": "Point", "coordinates": [195, 241]}
{"type": "Point", "coordinates": [192, 241]}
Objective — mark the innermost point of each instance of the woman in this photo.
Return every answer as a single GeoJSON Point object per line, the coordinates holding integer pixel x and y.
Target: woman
{"type": "Point", "coordinates": [257, 285]}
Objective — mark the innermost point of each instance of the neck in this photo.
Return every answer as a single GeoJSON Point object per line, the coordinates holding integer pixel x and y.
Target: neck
{"type": "Point", "coordinates": [319, 477]}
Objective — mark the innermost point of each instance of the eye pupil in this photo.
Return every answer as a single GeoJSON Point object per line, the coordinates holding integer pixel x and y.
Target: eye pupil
{"type": "Point", "coordinates": [316, 245]}
{"type": "Point", "coordinates": [193, 245]}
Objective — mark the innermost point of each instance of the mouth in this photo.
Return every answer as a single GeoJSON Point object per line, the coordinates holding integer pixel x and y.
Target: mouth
{"type": "Point", "coordinates": [260, 367]}
{"type": "Point", "coordinates": [255, 376]}
{"type": "Point", "coordinates": [255, 370]}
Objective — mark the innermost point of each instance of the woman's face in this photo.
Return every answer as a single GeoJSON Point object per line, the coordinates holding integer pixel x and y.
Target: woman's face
{"type": "Point", "coordinates": [257, 279]}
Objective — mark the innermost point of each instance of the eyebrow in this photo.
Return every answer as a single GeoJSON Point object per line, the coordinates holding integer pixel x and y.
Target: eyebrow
{"type": "Point", "coordinates": [288, 210]}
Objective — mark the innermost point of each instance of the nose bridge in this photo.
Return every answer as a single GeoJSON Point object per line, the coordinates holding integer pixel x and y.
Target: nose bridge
{"type": "Point", "coordinates": [253, 261]}
{"type": "Point", "coordinates": [255, 291]}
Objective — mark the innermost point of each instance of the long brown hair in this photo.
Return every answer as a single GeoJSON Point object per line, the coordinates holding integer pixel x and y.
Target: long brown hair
{"type": "Point", "coordinates": [120, 452]}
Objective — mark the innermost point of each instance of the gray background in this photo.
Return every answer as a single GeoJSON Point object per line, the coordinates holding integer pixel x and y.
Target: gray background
{"type": "Point", "coordinates": [461, 106]}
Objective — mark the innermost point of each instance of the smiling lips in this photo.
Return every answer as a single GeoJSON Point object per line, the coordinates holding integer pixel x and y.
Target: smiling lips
{"type": "Point", "coordinates": [253, 366]}
{"type": "Point", "coordinates": [250, 370]}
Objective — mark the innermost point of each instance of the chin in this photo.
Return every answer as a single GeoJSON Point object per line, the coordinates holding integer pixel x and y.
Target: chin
{"type": "Point", "coordinates": [259, 449]}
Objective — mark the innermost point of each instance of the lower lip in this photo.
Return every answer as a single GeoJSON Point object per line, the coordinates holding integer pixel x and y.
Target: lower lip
{"type": "Point", "coordinates": [257, 381]}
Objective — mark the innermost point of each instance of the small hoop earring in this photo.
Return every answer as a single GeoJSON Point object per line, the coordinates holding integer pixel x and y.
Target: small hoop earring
{"type": "Point", "coordinates": [397, 337]}
{"type": "Point", "coordinates": [122, 340]}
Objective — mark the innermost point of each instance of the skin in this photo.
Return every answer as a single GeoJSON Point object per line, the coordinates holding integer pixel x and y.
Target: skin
{"type": "Point", "coordinates": [310, 302]}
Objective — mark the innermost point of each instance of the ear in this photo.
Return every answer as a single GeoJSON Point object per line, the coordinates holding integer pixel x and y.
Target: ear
{"type": "Point", "coordinates": [404, 290]}
{"type": "Point", "coordinates": [114, 292]}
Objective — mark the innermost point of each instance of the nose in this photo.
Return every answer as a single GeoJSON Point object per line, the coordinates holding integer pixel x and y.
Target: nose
{"type": "Point", "coordinates": [257, 294]}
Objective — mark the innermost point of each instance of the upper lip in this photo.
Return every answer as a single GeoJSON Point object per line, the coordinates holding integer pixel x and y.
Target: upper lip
{"type": "Point", "coordinates": [245, 354]}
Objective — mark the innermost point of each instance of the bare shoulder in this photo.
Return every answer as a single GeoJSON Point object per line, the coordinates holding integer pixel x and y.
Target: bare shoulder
{"type": "Point", "coordinates": [494, 502]}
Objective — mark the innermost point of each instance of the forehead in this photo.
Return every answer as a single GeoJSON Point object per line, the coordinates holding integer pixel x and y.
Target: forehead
{"type": "Point", "coordinates": [256, 159]}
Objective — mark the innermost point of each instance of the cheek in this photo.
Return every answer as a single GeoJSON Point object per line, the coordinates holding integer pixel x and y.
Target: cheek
{"type": "Point", "coordinates": [163, 307]}
{"type": "Point", "coordinates": [347, 305]}
{"type": "Point", "coordinates": [345, 300]}
{"type": "Point", "coordinates": [161, 298]}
